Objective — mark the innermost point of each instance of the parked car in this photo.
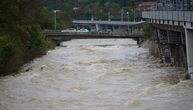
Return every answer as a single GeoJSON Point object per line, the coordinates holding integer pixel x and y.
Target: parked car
{"type": "Point", "coordinates": [83, 30]}
{"type": "Point", "coordinates": [93, 31]}
{"type": "Point", "coordinates": [108, 30]}
{"type": "Point", "coordinates": [69, 30]}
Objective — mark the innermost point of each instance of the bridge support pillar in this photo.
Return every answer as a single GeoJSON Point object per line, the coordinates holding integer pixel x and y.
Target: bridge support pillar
{"type": "Point", "coordinates": [139, 41]}
{"type": "Point", "coordinates": [189, 49]}
{"type": "Point", "coordinates": [97, 27]}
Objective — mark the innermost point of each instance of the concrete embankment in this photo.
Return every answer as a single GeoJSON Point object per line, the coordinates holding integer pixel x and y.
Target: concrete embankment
{"type": "Point", "coordinates": [179, 61]}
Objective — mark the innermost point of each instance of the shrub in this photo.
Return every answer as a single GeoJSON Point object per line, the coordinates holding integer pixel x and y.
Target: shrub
{"type": "Point", "coordinates": [8, 47]}
{"type": "Point", "coordinates": [37, 43]}
{"type": "Point", "coordinates": [148, 32]}
{"type": "Point", "coordinates": [11, 54]}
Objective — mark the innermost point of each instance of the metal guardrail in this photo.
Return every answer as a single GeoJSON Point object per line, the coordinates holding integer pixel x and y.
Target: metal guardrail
{"type": "Point", "coordinates": [108, 22]}
{"type": "Point", "coordinates": [97, 33]}
{"type": "Point", "coordinates": [183, 16]}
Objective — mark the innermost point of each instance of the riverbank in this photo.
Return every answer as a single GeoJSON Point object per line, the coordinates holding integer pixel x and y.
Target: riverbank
{"type": "Point", "coordinates": [14, 53]}
{"type": "Point", "coordinates": [154, 51]}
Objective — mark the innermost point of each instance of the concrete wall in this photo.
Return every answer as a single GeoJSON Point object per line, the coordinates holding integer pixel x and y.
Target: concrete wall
{"type": "Point", "coordinates": [189, 49]}
{"type": "Point", "coordinates": [169, 51]}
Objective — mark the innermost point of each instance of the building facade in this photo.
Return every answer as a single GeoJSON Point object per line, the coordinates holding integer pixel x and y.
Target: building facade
{"type": "Point", "coordinates": [175, 5]}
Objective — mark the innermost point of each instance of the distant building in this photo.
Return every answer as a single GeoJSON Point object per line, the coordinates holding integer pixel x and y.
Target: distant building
{"type": "Point", "coordinates": [147, 6]}
{"type": "Point", "coordinates": [175, 5]}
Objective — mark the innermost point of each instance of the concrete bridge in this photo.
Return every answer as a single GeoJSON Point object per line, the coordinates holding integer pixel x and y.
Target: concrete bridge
{"type": "Point", "coordinates": [173, 33]}
{"type": "Point", "coordinates": [64, 36]}
{"type": "Point", "coordinates": [113, 26]}
{"type": "Point", "coordinates": [100, 30]}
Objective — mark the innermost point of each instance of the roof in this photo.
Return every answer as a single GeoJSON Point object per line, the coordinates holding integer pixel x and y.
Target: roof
{"type": "Point", "coordinates": [107, 22]}
{"type": "Point", "coordinates": [144, 4]}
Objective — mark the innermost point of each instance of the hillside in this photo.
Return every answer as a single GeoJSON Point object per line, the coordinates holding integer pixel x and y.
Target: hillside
{"type": "Point", "coordinates": [84, 9]}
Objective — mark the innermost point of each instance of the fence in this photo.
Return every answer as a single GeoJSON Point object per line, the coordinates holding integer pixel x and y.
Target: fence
{"type": "Point", "coordinates": [184, 16]}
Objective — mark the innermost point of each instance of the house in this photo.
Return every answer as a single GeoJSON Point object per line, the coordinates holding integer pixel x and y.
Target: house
{"type": "Point", "coordinates": [147, 6]}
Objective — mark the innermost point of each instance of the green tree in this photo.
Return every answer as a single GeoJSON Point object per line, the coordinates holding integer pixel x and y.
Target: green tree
{"type": "Point", "coordinates": [21, 37]}
{"type": "Point", "coordinates": [148, 31]}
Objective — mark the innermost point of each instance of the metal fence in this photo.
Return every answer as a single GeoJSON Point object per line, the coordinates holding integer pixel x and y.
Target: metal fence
{"type": "Point", "coordinates": [183, 16]}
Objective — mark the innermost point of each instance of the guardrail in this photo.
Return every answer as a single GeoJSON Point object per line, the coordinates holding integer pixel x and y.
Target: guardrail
{"type": "Point", "coordinates": [94, 33]}
{"type": "Point", "coordinates": [183, 16]}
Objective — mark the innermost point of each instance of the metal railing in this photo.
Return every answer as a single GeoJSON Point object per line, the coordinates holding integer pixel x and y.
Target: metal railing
{"type": "Point", "coordinates": [96, 33]}
{"type": "Point", "coordinates": [183, 16]}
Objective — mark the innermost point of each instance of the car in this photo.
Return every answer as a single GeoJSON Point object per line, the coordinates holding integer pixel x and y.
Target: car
{"type": "Point", "coordinates": [69, 30]}
{"type": "Point", "coordinates": [108, 30]}
{"type": "Point", "coordinates": [83, 30]}
{"type": "Point", "coordinates": [93, 31]}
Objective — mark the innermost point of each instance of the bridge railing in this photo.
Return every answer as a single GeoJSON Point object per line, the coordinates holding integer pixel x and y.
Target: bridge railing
{"type": "Point", "coordinates": [183, 16]}
{"type": "Point", "coordinates": [93, 33]}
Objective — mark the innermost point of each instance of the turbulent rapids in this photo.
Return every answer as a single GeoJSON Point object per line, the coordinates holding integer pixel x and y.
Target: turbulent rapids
{"type": "Point", "coordinates": [96, 75]}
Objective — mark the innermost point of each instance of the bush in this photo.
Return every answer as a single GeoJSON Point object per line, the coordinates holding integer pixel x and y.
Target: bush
{"type": "Point", "coordinates": [148, 32]}
{"type": "Point", "coordinates": [11, 55]}
{"type": "Point", "coordinates": [21, 38]}
{"type": "Point", "coordinates": [8, 47]}
{"type": "Point", "coordinates": [14, 51]}
{"type": "Point", "coordinates": [37, 42]}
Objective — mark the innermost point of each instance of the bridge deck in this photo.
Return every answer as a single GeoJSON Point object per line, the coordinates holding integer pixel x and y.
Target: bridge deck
{"type": "Point", "coordinates": [63, 35]}
{"type": "Point", "coordinates": [108, 22]}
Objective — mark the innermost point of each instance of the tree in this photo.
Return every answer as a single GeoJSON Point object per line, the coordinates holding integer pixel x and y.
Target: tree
{"type": "Point", "coordinates": [9, 12]}
{"type": "Point", "coordinates": [21, 37]}
{"type": "Point", "coordinates": [148, 31]}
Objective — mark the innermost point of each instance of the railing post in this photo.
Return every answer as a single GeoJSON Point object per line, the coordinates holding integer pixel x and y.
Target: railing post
{"type": "Point", "coordinates": [178, 15]}
{"type": "Point", "coordinates": [191, 17]}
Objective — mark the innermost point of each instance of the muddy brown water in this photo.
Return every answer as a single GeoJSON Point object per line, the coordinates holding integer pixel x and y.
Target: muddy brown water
{"type": "Point", "coordinates": [95, 75]}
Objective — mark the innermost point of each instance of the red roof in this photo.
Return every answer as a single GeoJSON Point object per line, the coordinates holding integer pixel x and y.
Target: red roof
{"type": "Point", "coordinates": [147, 4]}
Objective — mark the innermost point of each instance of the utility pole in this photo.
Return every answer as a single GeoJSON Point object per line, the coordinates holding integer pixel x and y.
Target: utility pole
{"type": "Point", "coordinates": [55, 18]}
{"type": "Point", "coordinates": [122, 12]}
{"type": "Point", "coordinates": [134, 15]}
{"type": "Point", "coordinates": [109, 16]}
{"type": "Point", "coordinates": [128, 16]}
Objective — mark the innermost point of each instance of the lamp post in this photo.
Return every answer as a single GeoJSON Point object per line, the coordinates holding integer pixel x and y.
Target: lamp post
{"type": "Point", "coordinates": [128, 16]}
{"type": "Point", "coordinates": [134, 15]}
{"type": "Point", "coordinates": [75, 12]}
{"type": "Point", "coordinates": [109, 16]}
{"type": "Point", "coordinates": [122, 12]}
{"type": "Point", "coordinates": [55, 13]}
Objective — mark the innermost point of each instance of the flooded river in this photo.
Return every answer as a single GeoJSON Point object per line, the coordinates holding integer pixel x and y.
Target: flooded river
{"type": "Point", "coordinates": [96, 75]}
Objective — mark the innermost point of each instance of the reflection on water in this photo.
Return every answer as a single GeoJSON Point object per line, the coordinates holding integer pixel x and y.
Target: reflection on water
{"type": "Point", "coordinates": [96, 75]}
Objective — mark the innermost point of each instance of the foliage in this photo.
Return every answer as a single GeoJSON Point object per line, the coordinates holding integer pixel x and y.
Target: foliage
{"type": "Point", "coordinates": [21, 37]}
{"type": "Point", "coordinates": [45, 18]}
{"type": "Point", "coordinates": [8, 47]}
{"type": "Point", "coordinates": [85, 9]}
{"type": "Point", "coordinates": [148, 31]}
{"type": "Point", "coordinates": [37, 40]}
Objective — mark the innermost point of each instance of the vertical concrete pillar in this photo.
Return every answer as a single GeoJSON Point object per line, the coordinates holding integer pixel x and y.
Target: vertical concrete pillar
{"type": "Point", "coordinates": [97, 27]}
{"type": "Point", "coordinates": [113, 29]}
{"type": "Point", "coordinates": [131, 30]}
{"type": "Point", "coordinates": [128, 29]}
{"type": "Point", "coordinates": [189, 49]}
{"type": "Point", "coordinates": [92, 19]}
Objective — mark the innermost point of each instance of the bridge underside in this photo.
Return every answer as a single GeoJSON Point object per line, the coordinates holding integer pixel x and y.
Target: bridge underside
{"type": "Point", "coordinates": [60, 38]}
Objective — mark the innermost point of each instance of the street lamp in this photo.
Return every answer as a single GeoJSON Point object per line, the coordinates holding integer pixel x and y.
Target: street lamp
{"type": "Point", "coordinates": [128, 16]}
{"type": "Point", "coordinates": [109, 16]}
{"type": "Point", "coordinates": [75, 12]}
{"type": "Point", "coordinates": [55, 12]}
{"type": "Point", "coordinates": [122, 12]}
{"type": "Point", "coordinates": [134, 15]}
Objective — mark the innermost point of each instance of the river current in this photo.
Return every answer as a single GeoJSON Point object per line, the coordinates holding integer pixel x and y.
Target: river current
{"type": "Point", "coordinates": [96, 75]}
